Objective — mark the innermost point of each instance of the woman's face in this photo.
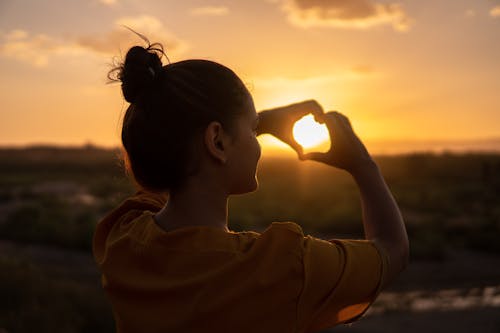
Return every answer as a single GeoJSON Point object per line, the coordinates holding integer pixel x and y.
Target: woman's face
{"type": "Point", "coordinates": [245, 152]}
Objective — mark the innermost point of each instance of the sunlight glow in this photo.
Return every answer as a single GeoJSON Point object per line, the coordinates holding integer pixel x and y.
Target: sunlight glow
{"type": "Point", "coordinates": [308, 133]}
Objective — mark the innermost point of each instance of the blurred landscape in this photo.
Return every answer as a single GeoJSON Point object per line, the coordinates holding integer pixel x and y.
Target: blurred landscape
{"type": "Point", "coordinates": [51, 198]}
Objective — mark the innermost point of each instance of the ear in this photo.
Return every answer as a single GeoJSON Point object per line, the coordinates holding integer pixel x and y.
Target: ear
{"type": "Point", "coordinates": [216, 141]}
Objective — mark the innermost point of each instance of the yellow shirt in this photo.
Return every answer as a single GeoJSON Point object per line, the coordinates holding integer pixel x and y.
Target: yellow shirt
{"type": "Point", "coordinates": [204, 279]}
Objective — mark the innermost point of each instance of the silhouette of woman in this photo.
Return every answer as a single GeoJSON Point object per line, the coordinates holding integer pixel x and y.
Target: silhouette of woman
{"type": "Point", "coordinates": [169, 262]}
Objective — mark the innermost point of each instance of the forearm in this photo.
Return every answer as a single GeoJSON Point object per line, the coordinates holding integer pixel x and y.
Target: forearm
{"type": "Point", "coordinates": [382, 220]}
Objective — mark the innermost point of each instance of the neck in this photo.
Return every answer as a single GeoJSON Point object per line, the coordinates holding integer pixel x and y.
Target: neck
{"type": "Point", "coordinates": [196, 204]}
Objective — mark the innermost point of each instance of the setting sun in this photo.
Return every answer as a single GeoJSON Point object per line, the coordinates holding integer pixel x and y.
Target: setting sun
{"type": "Point", "coordinates": [308, 133]}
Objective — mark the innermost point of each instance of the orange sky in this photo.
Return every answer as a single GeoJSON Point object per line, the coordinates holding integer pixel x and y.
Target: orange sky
{"type": "Point", "coordinates": [408, 74]}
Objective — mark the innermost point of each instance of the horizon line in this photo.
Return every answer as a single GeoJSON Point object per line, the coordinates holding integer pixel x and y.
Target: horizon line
{"type": "Point", "coordinates": [375, 146]}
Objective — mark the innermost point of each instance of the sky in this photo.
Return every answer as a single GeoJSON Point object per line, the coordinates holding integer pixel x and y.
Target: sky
{"type": "Point", "coordinates": [408, 74]}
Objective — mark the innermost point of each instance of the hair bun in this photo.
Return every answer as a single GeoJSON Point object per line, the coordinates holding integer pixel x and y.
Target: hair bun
{"type": "Point", "coordinates": [138, 72]}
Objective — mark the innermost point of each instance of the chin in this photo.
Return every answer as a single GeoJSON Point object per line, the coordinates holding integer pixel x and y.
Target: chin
{"type": "Point", "coordinates": [251, 186]}
{"type": "Point", "coordinates": [255, 185]}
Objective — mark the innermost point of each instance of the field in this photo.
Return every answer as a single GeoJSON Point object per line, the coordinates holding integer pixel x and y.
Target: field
{"type": "Point", "coordinates": [51, 199]}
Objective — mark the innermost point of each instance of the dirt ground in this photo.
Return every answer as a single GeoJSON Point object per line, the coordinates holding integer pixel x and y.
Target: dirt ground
{"type": "Point", "coordinates": [480, 320]}
{"type": "Point", "coordinates": [459, 294]}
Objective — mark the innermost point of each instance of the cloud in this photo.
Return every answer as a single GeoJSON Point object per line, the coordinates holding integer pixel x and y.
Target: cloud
{"type": "Point", "coordinates": [495, 11]}
{"type": "Point", "coordinates": [354, 14]}
{"type": "Point", "coordinates": [210, 11]}
{"type": "Point", "coordinates": [354, 73]}
{"type": "Point", "coordinates": [470, 13]}
{"type": "Point", "coordinates": [35, 49]}
{"type": "Point", "coordinates": [280, 81]}
{"type": "Point", "coordinates": [109, 2]}
{"type": "Point", "coordinates": [363, 70]}
{"type": "Point", "coordinates": [38, 49]}
{"type": "Point", "coordinates": [121, 38]}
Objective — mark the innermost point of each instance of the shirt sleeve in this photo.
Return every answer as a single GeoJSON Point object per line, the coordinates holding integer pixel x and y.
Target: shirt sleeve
{"type": "Point", "coordinates": [341, 279]}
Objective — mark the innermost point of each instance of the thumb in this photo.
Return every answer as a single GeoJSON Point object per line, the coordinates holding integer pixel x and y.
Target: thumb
{"type": "Point", "coordinates": [319, 157]}
{"type": "Point", "coordinates": [295, 146]}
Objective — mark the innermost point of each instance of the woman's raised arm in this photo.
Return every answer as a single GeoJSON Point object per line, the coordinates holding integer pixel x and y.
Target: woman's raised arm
{"type": "Point", "coordinates": [382, 220]}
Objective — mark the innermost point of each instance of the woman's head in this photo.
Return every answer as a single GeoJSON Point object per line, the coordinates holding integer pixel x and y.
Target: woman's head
{"type": "Point", "coordinates": [170, 109]}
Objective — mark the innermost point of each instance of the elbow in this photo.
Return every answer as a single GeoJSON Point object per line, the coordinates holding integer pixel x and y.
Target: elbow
{"type": "Point", "coordinates": [399, 257]}
{"type": "Point", "coordinates": [404, 255]}
{"type": "Point", "coordinates": [405, 260]}
{"type": "Point", "coordinates": [398, 251]}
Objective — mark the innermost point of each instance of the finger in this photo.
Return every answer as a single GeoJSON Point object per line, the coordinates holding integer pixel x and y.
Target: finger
{"type": "Point", "coordinates": [307, 107]}
{"type": "Point", "coordinates": [344, 120]}
{"type": "Point", "coordinates": [319, 119]}
{"type": "Point", "coordinates": [314, 108]}
{"type": "Point", "coordinates": [319, 115]}
{"type": "Point", "coordinates": [325, 115]}
{"type": "Point", "coordinates": [319, 157]}
{"type": "Point", "coordinates": [332, 122]}
{"type": "Point", "coordinates": [297, 147]}
{"type": "Point", "coordinates": [303, 156]}
{"type": "Point", "coordinates": [300, 155]}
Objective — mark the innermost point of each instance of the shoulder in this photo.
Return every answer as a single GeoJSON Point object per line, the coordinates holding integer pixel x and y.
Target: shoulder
{"type": "Point", "coordinates": [275, 229]}
{"type": "Point", "coordinates": [134, 206]}
{"type": "Point", "coordinates": [277, 240]}
{"type": "Point", "coordinates": [286, 228]}
{"type": "Point", "coordinates": [288, 234]}
{"type": "Point", "coordinates": [117, 222]}
{"type": "Point", "coordinates": [149, 200]}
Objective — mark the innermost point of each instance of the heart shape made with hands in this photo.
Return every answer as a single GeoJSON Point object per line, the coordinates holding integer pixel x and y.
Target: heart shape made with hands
{"type": "Point", "coordinates": [311, 135]}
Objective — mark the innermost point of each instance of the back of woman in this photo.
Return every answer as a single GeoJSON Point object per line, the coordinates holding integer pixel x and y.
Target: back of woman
{"type": "Point", "coordinates": [168, 259]}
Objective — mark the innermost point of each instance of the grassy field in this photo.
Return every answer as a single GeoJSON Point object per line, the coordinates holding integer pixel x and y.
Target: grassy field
{"type": "Point", "coordinates": [51, 199]}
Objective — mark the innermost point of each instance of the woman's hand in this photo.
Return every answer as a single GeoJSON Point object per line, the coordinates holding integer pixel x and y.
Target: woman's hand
{"type": "Point", "coordinates": [279, 121]}
{"type": "Point", "coordinates": [346, 149]}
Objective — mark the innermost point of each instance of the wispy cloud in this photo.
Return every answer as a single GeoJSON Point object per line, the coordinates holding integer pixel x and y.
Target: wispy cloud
{"type": "Point", "coordinates": [38, 49]}
{"type": "Point", "coordinates": [120, 38]}
{"type": "Point", "coordinates": [470, 13]}
{"type": "Point", "coordinates": [35, 49]}
{"type": "Point", "coordinates": [342, 75]}
{"type": "Point", "coordinates": [495, 11]}
{"type": "Point", "coordinates": [210, 11]}
{"type": "Point", "coordinates": [354, 14]}
{"type": "Point", "coordinates": [273, 82]}
{"type": "Point", "coordinates": [363, 70]}
{"type": "Point", "coordinates": [109, 2]}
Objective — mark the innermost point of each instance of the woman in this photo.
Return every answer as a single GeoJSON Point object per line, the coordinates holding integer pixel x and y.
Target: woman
{"type": "Point", "coordinates": [174, 266]}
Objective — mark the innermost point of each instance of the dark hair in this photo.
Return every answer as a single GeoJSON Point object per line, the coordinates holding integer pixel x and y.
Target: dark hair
{"type": "Point", "coordinates": [170, 106]}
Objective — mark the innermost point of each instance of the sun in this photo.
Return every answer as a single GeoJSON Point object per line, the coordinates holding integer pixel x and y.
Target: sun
{"type": "Point", "coordinates": [308, 133]}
